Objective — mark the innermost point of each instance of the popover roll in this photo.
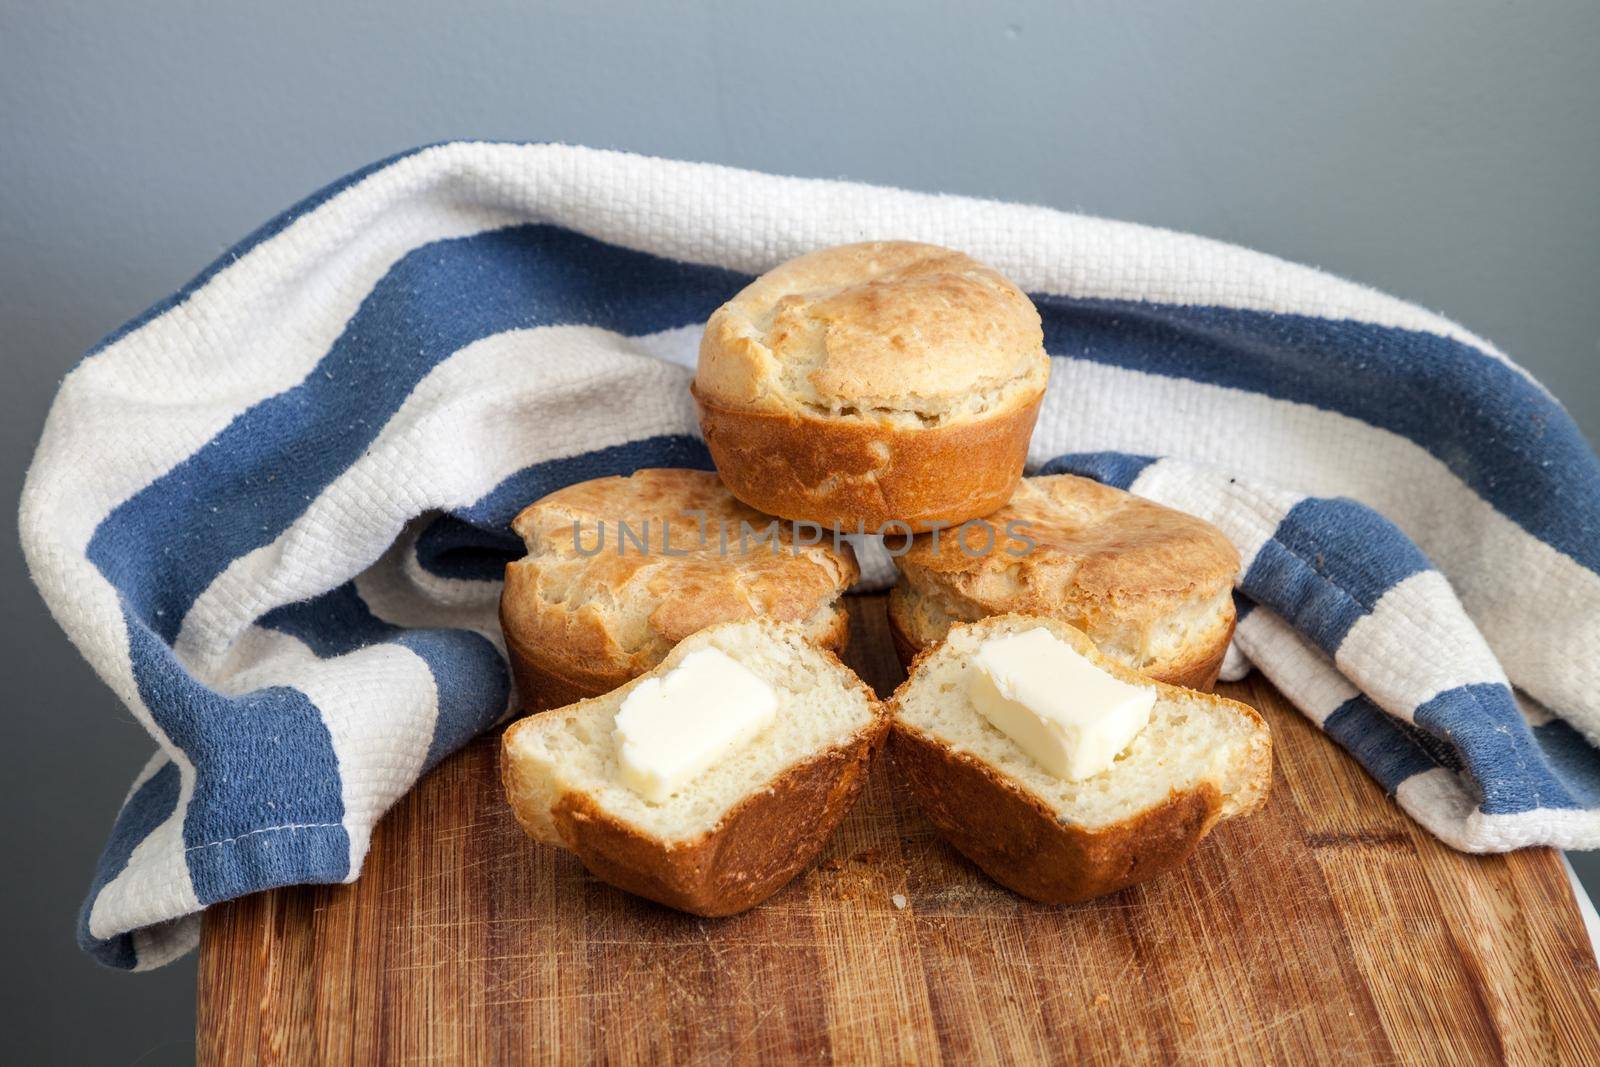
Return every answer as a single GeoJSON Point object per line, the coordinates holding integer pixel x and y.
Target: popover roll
{"type": "Point", "coordinates": [872, 385]}
{"type": "Point", "coordinates": [1151, 586]}
{"type": "Point", "coordinates": [619, 570]}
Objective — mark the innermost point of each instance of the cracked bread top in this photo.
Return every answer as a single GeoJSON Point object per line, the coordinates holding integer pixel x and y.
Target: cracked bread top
{"type": "Point", "coordinates": [593, 599]}
{"type": "Point", "coordinates": [888, 331]}
{"type": "Point", "coordinates": [1146, 581]}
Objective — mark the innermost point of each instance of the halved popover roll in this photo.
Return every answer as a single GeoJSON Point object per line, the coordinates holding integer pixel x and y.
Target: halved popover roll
{"type": "Point", "coordinates": [1200, 758]}
{"type": "Point", "coordinates": [737, 831]}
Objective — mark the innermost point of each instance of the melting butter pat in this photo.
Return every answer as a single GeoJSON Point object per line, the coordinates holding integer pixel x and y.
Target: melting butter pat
{"type": "Point", "coordinates": [1067, 714]}
{"type": "Point", "coordinates": [672, 728]}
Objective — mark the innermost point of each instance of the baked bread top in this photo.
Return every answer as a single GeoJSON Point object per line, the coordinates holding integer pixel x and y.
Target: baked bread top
{"type": "Point", "coordinates": [620, 612]}
{"type": "Point", "coordinates": [890, 332]}
{"type": "Point", "coordinates": [1102, 559]}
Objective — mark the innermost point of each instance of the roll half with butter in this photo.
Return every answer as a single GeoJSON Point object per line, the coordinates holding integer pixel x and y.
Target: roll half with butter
{"type": "Point", "coordinates": [887, 386]}
{"type": "Point", "coordinates": [1151, 586]}
{"type": "Point", "coordinates": [1061, 773]}
{"type": "Point", "coordinates": [709, 782]}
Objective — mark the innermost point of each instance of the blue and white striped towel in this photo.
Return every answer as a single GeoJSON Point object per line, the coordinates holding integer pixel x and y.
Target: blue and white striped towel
{"type": "Point", "coordinates": [272, 512]}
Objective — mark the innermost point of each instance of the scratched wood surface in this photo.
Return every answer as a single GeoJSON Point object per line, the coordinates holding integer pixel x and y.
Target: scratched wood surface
{"type": "Point", "coordinates": [1325, 928]}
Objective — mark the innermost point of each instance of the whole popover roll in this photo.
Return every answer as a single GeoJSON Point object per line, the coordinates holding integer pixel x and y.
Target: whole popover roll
{"type": "Point", "coordinates": [872, 385]}
{"type": "Point", "coordinates": [619, 570]}
{"type": "Point", "coordinates": [1152, 587]}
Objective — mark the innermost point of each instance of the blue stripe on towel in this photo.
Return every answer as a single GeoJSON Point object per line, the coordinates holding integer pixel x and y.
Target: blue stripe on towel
{"type": "Point", "coordinates": [1483, 724]}
{"type": "Point", "coordinates": [1118, 469]}
{"type": "Point", "coordinates": [1535, 467]}
{"type": "Point", "coordinates": [1242, 606]}
{"type": "Point", "coordinates": [1329, 563]}
{"type": "Point", "coordinates": [333, 624]}
{"type": "Point", "coordinates": [471, 683]}
{"type": "Point", "coordinates": [1572, 759]}
{"type": "Point", "coordinates": [163, 547]}
{"type": "Point", "coordinates": [1377, 742]}
{"type": "Point", "coordinates": [461, 551]}
{"type": "Point", "coordinates": [267, 807]}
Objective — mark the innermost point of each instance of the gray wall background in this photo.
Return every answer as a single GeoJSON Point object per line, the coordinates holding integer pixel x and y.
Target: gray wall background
{"type": "Point", "coordinates": [1446, 153]}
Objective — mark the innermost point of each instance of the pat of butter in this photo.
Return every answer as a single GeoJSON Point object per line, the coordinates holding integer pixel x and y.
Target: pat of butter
{"type": "Point", "coordinates": [672, 728]}
{"type": "Point", "coordinates": [1070, 716]}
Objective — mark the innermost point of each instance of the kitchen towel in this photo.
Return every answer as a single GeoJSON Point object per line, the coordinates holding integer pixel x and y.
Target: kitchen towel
{"type": "Point", "coordinates": [272, 511]}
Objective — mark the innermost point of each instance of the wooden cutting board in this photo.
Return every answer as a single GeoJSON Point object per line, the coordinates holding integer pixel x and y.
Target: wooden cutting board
{"type": "Point", "coordinates": [1325, 928]}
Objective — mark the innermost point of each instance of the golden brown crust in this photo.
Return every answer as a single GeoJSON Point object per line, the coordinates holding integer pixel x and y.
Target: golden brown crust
{"type": "Point", "coordinates": [1148, 583]}
{"type": "Point", "coordinates": [1093, 547]}
{"type": "Point", "coordinates": [578, 626]}
{"type": "Point", "coordinates": [852, 475]}
{"type": "Point", "coordinates": [1199, 670]}
{"type": "Point", "coordinates": [882, 330]}
{"type": "Point", "coordinates": [756, 849]}
{"type": "Point", "coordinates": [1019, 843]}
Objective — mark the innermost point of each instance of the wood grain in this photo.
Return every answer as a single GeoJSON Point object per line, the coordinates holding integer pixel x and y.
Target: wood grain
{"type": "Point", "coordinates": [1325, 928]}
